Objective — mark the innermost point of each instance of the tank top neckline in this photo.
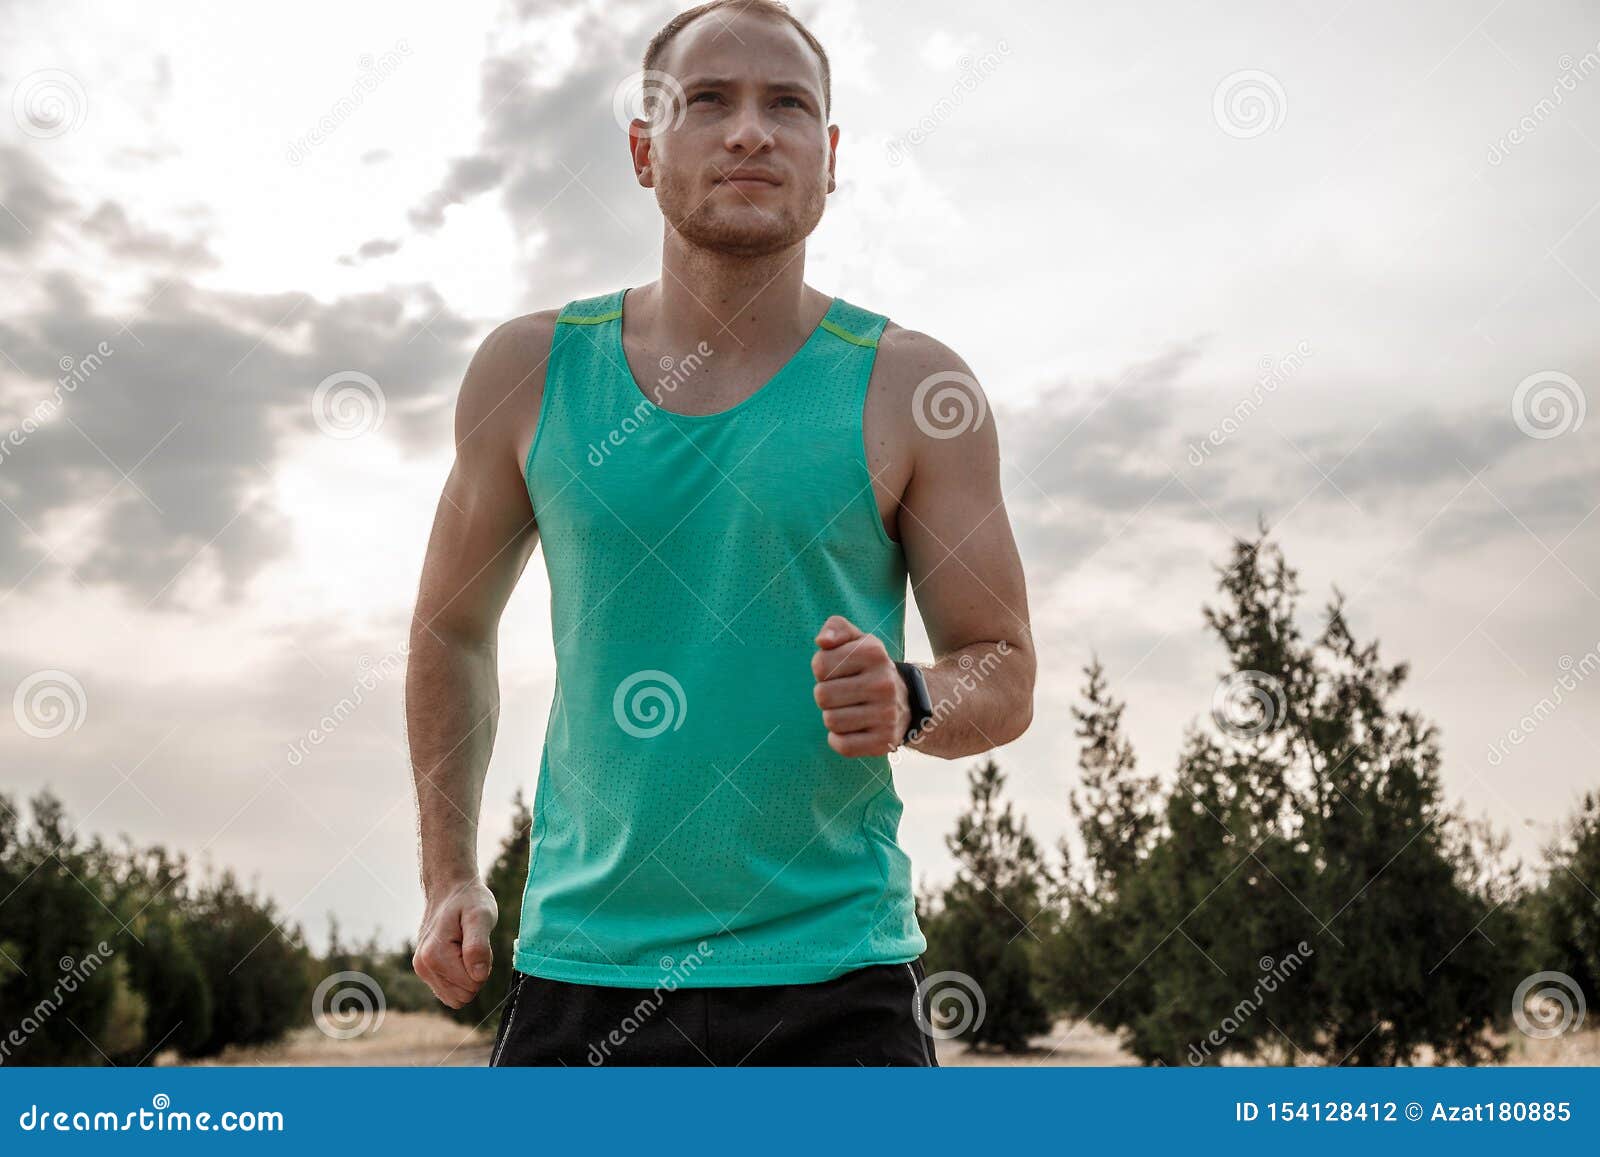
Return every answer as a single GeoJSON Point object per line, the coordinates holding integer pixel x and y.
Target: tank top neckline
{"type": "Point", "coordinates": [834, 305]}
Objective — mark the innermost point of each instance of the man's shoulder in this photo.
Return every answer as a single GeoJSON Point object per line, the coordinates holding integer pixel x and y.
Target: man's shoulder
{"type": "Point", "coordinates": [908, 357]}
{"type": "Point", "coordinates": [901, 344]}
{"type": "Point", "coordinates": [508, 366]}
{"type": "Point", "coordinates": [926, 391]}
{"type": "Point", "coordinates": [521, 334]}
{"type": "Point", "coordinates": [515, 347]}
{"type": "Point", "coordinates": [526, 338]}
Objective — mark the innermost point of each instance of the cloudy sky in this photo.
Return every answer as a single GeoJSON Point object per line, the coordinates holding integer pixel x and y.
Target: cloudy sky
{"type": "Point", "coordinates": [1372, 231]}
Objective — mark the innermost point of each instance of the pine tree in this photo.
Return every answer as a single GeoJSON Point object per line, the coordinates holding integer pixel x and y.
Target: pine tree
{"type": "Point", "coordinates": [1114, 803]}
{"type": "Point", "coordinates": [260, 973]}
{"type": "Point", "coordinates": [152, 897]}
{"type": "Point", "coordinates": [1306, 827]}
{"type": "Point", "coordinates": [1117, 814]}
{"type": "Point", "coordinates": [1565, 912]}
{"type": "Point", "coordinates": [56, 913]}
{"type": "Point", "coordinates": [984, 925]}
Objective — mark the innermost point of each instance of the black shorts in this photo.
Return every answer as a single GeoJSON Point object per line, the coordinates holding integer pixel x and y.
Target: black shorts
{"type": "Point", "coordinates": [868, 1016]}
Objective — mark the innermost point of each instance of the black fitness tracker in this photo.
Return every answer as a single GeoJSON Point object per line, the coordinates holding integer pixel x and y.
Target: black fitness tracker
{"type": "Point", "coordinates": [921, 704]}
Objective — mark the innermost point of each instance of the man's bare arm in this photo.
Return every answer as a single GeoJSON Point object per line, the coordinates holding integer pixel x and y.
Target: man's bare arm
{"type": "Point", "coordinates": [964, 570]}
{"type": "Point", "coordinates": [962, 557]}
{"type": "Point", "coordinates": [483, 535]}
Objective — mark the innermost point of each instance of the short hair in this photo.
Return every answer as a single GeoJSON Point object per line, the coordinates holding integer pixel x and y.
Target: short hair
{"type": "Point", "coordinates": [658, 42]}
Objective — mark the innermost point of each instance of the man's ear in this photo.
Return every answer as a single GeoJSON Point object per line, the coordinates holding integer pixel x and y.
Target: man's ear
{"type": "Point", "coordinates": [642, 148]}
{"type": "Point", "coordinates": [833, 149]}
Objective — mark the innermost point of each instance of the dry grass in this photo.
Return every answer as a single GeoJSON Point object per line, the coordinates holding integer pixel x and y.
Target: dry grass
{"type": "Point", "coordinates": [1573, 1048]}
{"type": "Point", "coordinates": [1067, 1044]}
{"type": "Point", "coordinates": [404, 1038]}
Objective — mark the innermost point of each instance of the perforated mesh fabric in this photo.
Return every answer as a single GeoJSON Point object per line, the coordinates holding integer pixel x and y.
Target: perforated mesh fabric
{"type": "Point", "coordinates": [690, 820]}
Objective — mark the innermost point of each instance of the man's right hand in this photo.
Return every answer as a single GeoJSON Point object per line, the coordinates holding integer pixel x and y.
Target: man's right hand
{"type": "Point", "coordinates": [453, 955]}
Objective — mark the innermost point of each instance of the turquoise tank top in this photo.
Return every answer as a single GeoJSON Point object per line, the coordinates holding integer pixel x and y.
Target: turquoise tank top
{"type": "Point", "coordinates": [691, 825]}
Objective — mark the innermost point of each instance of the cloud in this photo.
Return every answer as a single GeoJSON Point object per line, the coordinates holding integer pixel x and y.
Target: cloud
{"type": "Point", "coordinates": [29, 197]}
{"type": "Point", "coordinates": [551, 143]}
{"type": "Point", "coordinates": [466, 178]}
{"type": "Point", "coordinates": [136, 441]}
{"type": "Point", "coordinates": [372, 250]}
{"type": "Point", "coordinates": [1084, 465]}
{"type": "Point", "coordinates": [110, 225]}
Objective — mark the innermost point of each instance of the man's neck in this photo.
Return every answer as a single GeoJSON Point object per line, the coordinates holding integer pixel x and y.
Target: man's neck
{"type": "Point", "coordinates": [738, 305]}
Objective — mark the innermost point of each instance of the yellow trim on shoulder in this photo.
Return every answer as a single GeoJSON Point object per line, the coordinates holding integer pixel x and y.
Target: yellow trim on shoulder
{"type": "Point", "coordinates": [853, 339]}
{"type": "Point", "coordinates": [588, 319]}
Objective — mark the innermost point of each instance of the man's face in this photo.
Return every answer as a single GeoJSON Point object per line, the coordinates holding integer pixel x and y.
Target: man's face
{"type": "Point", "coordinates": [751, 103]}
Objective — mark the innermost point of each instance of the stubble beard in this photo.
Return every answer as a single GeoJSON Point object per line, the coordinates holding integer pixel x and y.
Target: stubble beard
{"type": "Point", "coordinates": [715, 223]}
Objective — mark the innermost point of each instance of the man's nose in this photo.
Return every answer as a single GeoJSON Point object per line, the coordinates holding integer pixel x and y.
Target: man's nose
{"type": "Point", "coordinates": [749, 129]}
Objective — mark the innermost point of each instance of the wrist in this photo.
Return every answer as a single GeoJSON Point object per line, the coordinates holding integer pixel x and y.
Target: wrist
{"type": "Point", "coordinates": [440, 886]}
{"type": "Point", "coordinates": [902, 709]}
{"type": "Point", "coordinates": [913, 693]}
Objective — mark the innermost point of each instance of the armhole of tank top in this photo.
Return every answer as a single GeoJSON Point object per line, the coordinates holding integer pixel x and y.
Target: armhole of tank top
{"type": "Point", "coordinates": [544, 413]}
{"type": "Point", "coordinates": [862, 456]}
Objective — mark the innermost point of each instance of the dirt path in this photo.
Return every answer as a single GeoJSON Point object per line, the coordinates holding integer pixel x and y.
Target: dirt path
{"type": "Point", "coordinates": [404, 1038]}
{"type": "Point", "coordinates": [427, 1038]}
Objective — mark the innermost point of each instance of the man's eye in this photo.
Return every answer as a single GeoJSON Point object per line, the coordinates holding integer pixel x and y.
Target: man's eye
{"type": "Point", "coordinates": [698, 95]}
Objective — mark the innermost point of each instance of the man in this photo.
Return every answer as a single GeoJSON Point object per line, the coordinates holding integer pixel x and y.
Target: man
{"type": "Point", "coordinates": [715, 876]}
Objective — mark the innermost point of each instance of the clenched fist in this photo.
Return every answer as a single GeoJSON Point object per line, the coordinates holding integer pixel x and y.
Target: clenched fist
{"type": "Point", "coordinates": [864, 701]}
{"type": "Point", "coordinates": [453, 955]}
